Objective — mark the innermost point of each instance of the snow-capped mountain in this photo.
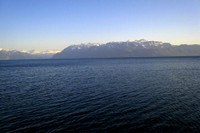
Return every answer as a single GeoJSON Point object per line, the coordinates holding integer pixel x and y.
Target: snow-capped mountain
{"type": "Point", "coordinates": [32, 54]}
{"type": "Point", "coordinates": [138, 48]}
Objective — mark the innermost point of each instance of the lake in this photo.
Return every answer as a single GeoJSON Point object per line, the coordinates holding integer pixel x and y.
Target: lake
{"type": "Point", "coordinates": [100, 95]}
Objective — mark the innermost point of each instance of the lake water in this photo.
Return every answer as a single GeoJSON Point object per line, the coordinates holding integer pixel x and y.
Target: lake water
{"type": "Point", "coordinates": [104, 95]}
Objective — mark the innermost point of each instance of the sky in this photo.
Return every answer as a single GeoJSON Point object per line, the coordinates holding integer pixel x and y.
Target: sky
{"type": "Point", "coordinates": [56, 24]}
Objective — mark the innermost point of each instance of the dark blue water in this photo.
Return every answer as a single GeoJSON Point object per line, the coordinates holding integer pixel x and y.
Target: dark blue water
{"type": "Point", "coordinates": [89, 95]}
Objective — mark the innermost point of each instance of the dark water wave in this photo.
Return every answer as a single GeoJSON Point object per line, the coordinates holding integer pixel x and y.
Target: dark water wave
{"type": "Point", "coordinates": [112, 95]}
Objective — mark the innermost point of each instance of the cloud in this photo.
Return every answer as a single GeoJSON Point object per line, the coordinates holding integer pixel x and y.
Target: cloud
{"type": "Point", "coordinates": [35, 52]}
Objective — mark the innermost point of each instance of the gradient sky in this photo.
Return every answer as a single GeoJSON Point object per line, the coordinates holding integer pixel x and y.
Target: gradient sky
{"type": "Point", "coordinates": [56, 24]}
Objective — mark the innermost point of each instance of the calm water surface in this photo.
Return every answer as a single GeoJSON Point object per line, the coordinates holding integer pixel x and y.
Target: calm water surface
{"type": "Point", "coordinates": [111, 95]}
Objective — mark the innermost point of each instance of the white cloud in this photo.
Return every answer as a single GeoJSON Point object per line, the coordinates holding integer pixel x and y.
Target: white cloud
{"type": "Point", "coordinates": [42, 52]}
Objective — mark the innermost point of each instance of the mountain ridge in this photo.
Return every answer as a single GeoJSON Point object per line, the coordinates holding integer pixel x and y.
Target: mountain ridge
{"type": "Point", "coordinates": [31, 54]}
{"type": "Point", "coordinates": [137, 48]}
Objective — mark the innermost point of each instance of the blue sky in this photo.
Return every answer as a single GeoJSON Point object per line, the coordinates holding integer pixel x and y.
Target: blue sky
{"type": "Point", "coordinates": [55, 24]}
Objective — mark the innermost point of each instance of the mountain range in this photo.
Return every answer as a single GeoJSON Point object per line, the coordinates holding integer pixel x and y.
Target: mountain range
{"type": "Point", "coordinates": [137, 48]}
{"type": "Point", "coordinates": [32, 54]}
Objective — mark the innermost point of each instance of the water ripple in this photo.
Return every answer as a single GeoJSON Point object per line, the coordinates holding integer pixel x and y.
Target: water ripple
{"type": "Point", "coordinates": [104, 95]}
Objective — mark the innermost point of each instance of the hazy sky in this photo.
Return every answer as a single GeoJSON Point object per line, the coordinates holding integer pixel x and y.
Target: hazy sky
{"type": "Point", "coordinates": [55, 24]}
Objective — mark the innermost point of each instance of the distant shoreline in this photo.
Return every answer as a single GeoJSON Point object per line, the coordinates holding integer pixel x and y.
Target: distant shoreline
{"type": "Point", "coordinates": [107, 58]}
